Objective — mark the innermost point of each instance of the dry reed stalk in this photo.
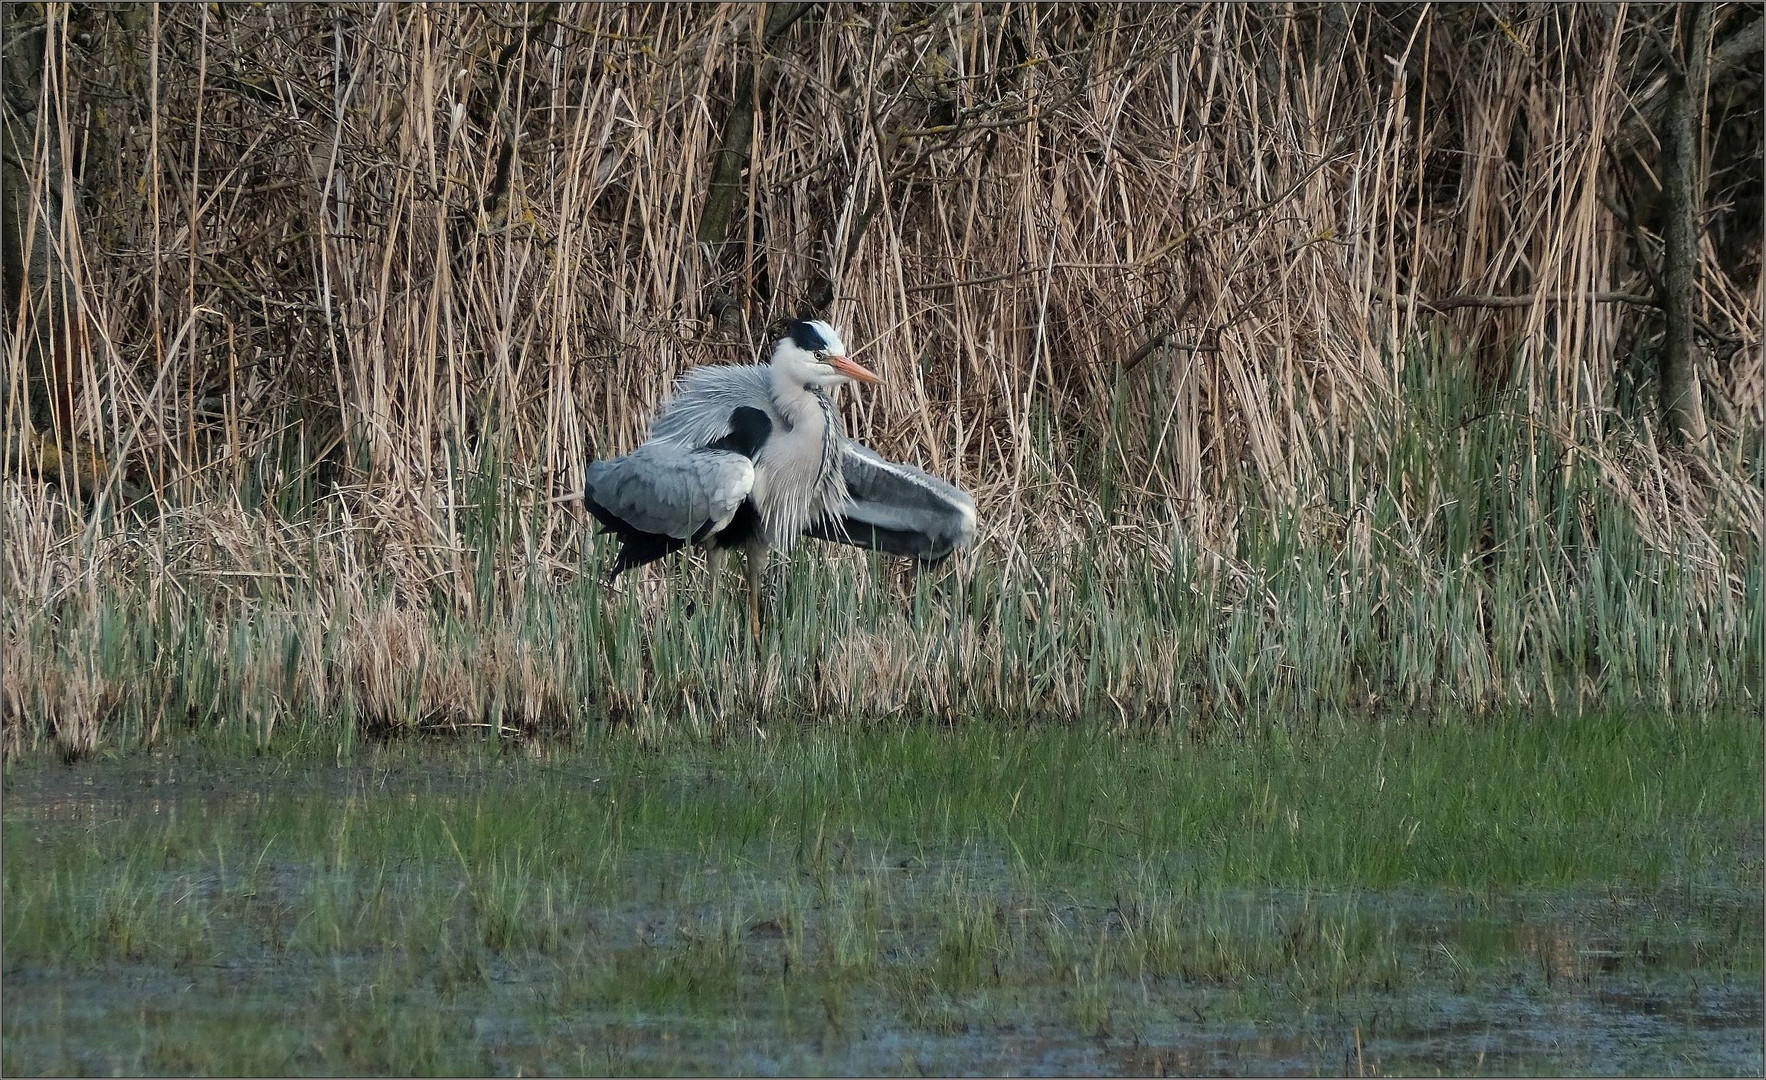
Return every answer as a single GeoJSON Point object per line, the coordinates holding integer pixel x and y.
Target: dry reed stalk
{"type": "Point", "coordinates": [372, 254]}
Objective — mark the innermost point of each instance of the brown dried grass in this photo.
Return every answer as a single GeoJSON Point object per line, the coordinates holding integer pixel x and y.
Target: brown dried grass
{"type": "Point", "coordinates": [1199, 248]}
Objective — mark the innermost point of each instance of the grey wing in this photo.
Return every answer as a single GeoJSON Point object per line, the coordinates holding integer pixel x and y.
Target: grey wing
{"type": "Point", "coordinates": [699, 412]}
{"type": "Point", "coordinates": [671, 490]}
{"type": "Point", "coordinates": [898, 509]}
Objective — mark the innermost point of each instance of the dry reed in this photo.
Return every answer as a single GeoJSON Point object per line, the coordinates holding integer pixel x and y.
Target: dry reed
{"type": "Point", "coordinates": [352, 291]}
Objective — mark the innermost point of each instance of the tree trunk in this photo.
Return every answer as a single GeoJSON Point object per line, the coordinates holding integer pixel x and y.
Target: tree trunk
{"type": "Point", "coordinates": [25, 257]}
{"type": "Point", "coordinates": [718, 216]}
{"type": "Point", "coordinates": [54, 353]}
{"type": "Point", "coordinates": [1683, 411]}
{"type": "Point", "coordinates": [734, 151]}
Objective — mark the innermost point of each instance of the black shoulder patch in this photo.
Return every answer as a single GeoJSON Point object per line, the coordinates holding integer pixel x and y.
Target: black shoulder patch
{"type": "Point", "coordinates": [749, 430]}
{"type": "Point", "coordinates": [805, 336]}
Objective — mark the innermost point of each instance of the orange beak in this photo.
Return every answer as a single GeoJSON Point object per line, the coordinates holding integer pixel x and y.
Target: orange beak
{"type": "Point", "coordinates": [852, 369]}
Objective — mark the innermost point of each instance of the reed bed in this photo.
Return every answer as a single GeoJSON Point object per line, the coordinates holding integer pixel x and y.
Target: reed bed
{"type": "Point", "coordinates": [1300, 358]}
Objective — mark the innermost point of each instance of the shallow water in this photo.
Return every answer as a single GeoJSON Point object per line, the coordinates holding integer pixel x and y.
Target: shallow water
{"type": "Point", "coordinates": [247, 946]}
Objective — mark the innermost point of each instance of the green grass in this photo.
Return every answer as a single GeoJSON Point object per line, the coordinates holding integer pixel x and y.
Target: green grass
{"type": "Point", "coordinates": [685, 907]}
{"type": "Point", "coordinates": [1478, 565]}
{"type": "Point", "coordinates": [1455, 740]}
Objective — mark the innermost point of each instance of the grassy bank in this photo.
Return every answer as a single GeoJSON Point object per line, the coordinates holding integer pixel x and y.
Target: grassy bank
{"type": "Point", "coordinates": [905, 897]}
{"type": "Point", "coordinates": [1301, 359]}
{"type": "Point", "coordinates": [1483, 565]}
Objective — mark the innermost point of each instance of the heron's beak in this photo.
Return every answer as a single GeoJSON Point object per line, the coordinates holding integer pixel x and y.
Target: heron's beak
{"type": "Point", "coordinates": [853, 370]}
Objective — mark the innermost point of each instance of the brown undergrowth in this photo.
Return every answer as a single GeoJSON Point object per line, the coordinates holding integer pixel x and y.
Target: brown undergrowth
{"type": "Point", "coordinates": [332, 305]}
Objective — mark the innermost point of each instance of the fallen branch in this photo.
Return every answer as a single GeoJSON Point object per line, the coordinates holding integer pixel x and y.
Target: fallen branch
{"type": "Point", "coordinates": [1475, 300]}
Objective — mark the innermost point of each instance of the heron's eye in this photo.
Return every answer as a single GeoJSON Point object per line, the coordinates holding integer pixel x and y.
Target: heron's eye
{"type": "Point", "coordinates": [821, 356]}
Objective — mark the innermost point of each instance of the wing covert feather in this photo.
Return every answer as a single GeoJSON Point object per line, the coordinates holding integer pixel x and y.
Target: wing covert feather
{"type": "Point", "coordinates": [669, 489]}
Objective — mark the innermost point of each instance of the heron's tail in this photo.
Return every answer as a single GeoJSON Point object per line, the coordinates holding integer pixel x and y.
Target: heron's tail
{"type": "Point", "coordinates": [641, 549]}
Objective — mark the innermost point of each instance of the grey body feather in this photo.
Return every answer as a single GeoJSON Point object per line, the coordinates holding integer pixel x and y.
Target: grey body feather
{"type": "Point", "coordinates": [798, 478]}
{"type": "Point", "coordinates": [672, 490]}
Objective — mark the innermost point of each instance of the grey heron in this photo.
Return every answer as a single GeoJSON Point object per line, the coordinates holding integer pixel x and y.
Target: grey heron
{"type": "Point", "coordinates": [754, 456]}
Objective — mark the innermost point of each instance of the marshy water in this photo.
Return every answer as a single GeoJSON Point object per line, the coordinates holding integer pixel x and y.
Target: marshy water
{"type": "Point", "coordinates": [1556, 896]}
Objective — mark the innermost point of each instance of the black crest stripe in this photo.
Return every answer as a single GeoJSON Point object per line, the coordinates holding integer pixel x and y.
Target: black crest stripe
{"type": "Point", "coordinates": [806, 337]}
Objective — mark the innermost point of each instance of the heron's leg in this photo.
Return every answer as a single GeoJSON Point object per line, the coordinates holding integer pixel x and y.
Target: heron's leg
{"type": "Point", "coordinates": [714, 564]}
{"type": "Point", "coordinates": [755, 565]}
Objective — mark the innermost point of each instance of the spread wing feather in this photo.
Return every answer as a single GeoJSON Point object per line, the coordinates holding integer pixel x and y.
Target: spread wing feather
{"type": "Point", "coordinates": [898, 509]}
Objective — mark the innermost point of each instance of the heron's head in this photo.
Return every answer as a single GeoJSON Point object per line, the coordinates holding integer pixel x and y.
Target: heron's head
{"type": "Point", "coordinates": [812, 354]}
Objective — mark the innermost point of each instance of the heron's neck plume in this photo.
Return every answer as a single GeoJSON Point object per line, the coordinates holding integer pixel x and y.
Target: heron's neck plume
{"type": "Point", "coordinates": [801, 461]}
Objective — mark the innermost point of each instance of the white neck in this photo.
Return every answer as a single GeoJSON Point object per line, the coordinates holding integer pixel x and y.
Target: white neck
{"type": "Point", "coordinates": [794, 396]}
{"type": "Point", "coordinates": [800, 464]}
